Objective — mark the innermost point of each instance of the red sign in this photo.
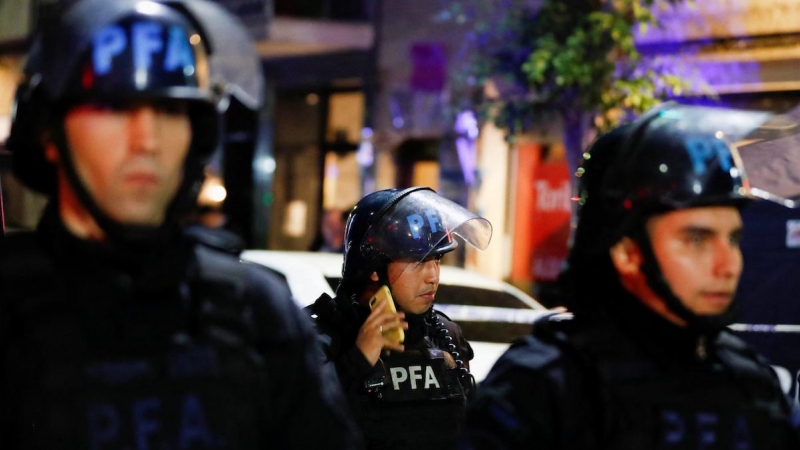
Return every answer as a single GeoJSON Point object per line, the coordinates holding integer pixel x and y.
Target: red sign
{"type": "Point", "coordinates": [542, 216]}
{"type": "Point", "coordinates": [550, 221]}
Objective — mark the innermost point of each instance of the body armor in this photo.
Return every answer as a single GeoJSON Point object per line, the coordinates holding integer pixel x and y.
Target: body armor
{"type": "Point", "coordinates": [631, 381]}
{"type": "Point", "coordinates": [101, 364]}
{"type": "Point", "coordinates": [414, 401]}
{"type": "Point", "coordinates": [728, 401]}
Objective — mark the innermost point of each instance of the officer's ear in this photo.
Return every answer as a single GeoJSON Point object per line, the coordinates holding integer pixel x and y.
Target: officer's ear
{"type": "Point", "coordinates": [374, 277]}
{"type": "Point", "coordinates": [626, 257]}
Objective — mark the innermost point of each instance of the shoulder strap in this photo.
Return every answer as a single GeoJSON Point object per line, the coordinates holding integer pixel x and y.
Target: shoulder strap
{"type": "Point", "coordinates": [217, 291]}
{"type": "Point", "coordinates": [220, 240]}
{"type": "Point", "coordinates": [215, 267]}
{"type": "Point", "coordinates": [216, 258]}
{"type": "Point", "coordinates": [752, 369]}
{"type": "Point", "coordinates": [323, 307]}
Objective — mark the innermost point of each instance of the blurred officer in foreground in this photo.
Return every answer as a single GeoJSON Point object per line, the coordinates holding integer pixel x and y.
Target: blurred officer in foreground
{"type": "Point", "coordinates": [117, 329]}
{"type": "Point", "coordinates": [647, 361]}
{"type": "Point", "coordinates": [409, 394]}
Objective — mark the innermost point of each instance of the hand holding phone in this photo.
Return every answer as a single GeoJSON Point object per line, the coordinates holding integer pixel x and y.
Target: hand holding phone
{"type": "Point", "coordinates": [395, 334]}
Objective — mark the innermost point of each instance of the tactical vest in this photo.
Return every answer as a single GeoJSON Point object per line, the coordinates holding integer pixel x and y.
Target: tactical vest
{"type": "Point", "coordinates": [731, 403]}
{"type": "Point", "coordinates": [414, 402]}
{"type": "Point", "coordinates": [199, 388]}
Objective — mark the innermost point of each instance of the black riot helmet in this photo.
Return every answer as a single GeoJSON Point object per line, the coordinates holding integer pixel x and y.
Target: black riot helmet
{"type": "Point", "coordinates": [673, 157]}
{"type": "Point", "coordinates": [114, 52]}
{"type": "Point", "coordinates": [408, 224]}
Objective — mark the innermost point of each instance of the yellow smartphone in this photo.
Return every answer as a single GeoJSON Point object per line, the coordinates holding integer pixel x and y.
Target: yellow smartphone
{"type": "Point", "coordinates": [395, 334]}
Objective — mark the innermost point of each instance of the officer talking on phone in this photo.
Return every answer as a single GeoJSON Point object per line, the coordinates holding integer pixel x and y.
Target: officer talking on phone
{"type": "Point", "coordinates": [410, 393]}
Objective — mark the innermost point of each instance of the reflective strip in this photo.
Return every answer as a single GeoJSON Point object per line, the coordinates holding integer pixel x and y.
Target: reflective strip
{"type": "Point", "coordinates": [490, 313]}
{"type": "Point", "coordinates": [765, 327]}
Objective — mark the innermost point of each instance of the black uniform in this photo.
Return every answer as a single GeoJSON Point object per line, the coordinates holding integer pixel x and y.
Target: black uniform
{"type": "Point", "coordinates": [629, 380]}
{"type": "Point", "coordinates": [409, 400]}
{"type": "Point", "coordinates": [172, 346]}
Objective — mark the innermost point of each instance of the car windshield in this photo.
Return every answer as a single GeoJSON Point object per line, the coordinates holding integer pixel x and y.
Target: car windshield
{"type": "Point", "coordinates": [488, 331]}
{"type": "Point", "coordinates": [473, 296]}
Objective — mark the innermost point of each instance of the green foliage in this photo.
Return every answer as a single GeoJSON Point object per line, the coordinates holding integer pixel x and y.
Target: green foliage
{"type": "Point", "coordinates": [562, 56]}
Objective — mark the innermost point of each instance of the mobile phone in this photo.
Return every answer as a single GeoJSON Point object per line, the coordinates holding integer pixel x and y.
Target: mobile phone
{"type": "Point", "coordinates": [394, 334]}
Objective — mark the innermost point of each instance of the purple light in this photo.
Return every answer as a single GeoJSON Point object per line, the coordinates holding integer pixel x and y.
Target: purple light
{"type": "Point", "coordinates": [466, 128]}
{"type": "Point", "coordinates": [365, 155]}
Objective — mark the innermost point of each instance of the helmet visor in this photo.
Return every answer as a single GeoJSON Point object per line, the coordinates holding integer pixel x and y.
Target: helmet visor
{"type": "Point", "coordinates": [767, 145]}
{"type": "Point", "coordinates": [771, 158]}
{"type": "Point", "coordinates": [423, 224]}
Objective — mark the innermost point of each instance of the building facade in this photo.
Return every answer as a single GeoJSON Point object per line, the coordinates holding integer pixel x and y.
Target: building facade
{"type": "Point", "coordinates": [360, 97]}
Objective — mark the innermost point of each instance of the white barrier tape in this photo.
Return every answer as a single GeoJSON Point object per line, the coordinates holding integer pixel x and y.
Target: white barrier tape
{"type": "Point", "coordinates": [765, 327]}
{"type": "Point", "coordinates": [490, 313]}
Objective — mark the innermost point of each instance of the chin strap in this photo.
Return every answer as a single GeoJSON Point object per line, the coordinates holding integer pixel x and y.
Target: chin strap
{"type": "Point", "coordinates": [121, 233]}
{"type": "Point", "coordinates": [702, 324]}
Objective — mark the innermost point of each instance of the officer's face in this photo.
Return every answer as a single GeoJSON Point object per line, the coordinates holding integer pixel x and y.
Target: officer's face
{"type": "Point", "coordinates": [414, 284]}
{"type": "Point", "coordinates": [699, 255]}
{"type": "Point", "coordinates": [130, 157]}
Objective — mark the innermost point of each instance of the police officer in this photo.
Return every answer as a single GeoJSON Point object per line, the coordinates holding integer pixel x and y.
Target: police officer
{"type": "Point", "coordinates": [117, 329]}
{"type": "Point", "coordinates": [652, 272]}
{"type": "Point", "coordinates": [410, 394]}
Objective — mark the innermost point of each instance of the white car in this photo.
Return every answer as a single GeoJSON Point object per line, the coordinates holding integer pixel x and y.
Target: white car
{"type": "Point", "coordinates": [491, 313]}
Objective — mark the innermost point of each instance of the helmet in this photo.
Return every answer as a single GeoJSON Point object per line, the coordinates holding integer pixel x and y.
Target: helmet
{"type": "Point", "coordinates": [111, 52]}
{"type": "Point", "coordinates": [408, 224]}
{"type": "Point", "coordinates": [673, 157]}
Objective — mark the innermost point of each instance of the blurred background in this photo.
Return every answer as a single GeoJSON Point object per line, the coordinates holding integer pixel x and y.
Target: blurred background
{"type": "Point", "coordinates": [490, 102]}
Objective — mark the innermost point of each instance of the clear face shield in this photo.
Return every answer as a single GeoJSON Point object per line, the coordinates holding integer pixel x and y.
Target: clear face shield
{"type": "Point", "coordinates": [771, 157]}
{"type": "Point", "coordinates": [421, 227]}
{"type": "Point", "coordinates": [767, 146]}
